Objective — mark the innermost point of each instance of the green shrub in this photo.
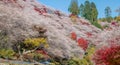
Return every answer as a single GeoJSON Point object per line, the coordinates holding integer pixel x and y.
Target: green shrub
{"type": "Point", "coordinates": [97, 25]}
{"type": "Point", "coordinates": [54, 63]}
{"type": "Point", "coordinates": [117, 18]}
{"type": "Point", "coordinates": [4, 40]}
{"type": "Point", "coordinates": [38, 56]}
{"type": "Point", "coordinates": [6, 53]}
{"type": "Point", "coordinates": [89, 52]}
{"type": "Point", "coordinates": [105, 26]}
{"type": "Point", "coordinates": [86, 60]}
{"type": "Point", "coordinates": [77, 61]}
{"type": "Point", "coordinates": [31, 43]}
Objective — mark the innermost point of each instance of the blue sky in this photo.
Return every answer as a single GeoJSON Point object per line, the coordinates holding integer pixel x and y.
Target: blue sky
{"type": "Point", "coordinates": [100, 4]}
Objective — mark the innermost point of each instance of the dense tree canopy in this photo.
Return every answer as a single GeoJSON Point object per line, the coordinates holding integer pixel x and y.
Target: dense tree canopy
{"type": "Point", "coordinates": [73, 8]}
{"type": "Point", "coordinates": [94, 12]}
{"type": "Point", "coordinates": [107, 11]}
{"type": "Point", "coordinates": [81, 10]}
{"type": "Point", "coordinates": [89, 11]}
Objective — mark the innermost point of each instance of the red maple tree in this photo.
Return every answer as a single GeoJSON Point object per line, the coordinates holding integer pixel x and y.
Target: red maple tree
{"type": "Point", "coordinates": [107, 55]}
{"type": "Point", "coordinates": [82, 43]}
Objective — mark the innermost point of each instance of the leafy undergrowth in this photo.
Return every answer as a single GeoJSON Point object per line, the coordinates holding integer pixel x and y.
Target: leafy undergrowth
{"type": "Point", "coordinates": [6, 53]}
{"type": "Point", "coordinates": [97, 25]}
{"type": "Point", "coordinates": [86, 60]}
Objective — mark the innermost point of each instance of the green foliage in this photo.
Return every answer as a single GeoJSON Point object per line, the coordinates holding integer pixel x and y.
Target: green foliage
{"type": "Point", "coordinates": [108, 14]}
{"type": "Point", "coordinates": [109, 19]}
{"type": "Point", "coordinates": [73, 8]}
{"type": "Point", "coordinates": [4, 40]}
{"type": "Point", "coordinates": [31, 43]}
{"type": "Point", "coordinates": [90, 51]}
{"type": "Point", "coordinates": [87, 10]}
{"type": "Point", "coordinates": [107, 11]}
{"type": "Point", "coordinates": [54, 63]}
{"type": "Point", "coordinates": [86, 60]}
{"type": "Point", "coordinates": [6, 53]}
{"type": "Point", "coordinates": [94, 12]}
{"type": "Point", "coordinates": [105, 26]}
{"type": "Point", "coordinates": [81, 10]}
{"type": "Point", "coordinates": [97, 25]}
{"type": "Point", "coordinates": [77, 61]}
{"type": "Point", "coordinates": [38, 56]}
{"type": "Point", "coordinates": [102, 19]}
{"type": "Point", "coordinates": [117, 18]}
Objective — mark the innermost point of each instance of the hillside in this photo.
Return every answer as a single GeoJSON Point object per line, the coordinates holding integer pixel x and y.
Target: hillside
{"type": "Point", "coordinates": [18, 19]}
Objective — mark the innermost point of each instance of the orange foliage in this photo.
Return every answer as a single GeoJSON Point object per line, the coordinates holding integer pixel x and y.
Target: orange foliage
{"type": "Point", "coordinates": [73, 36]}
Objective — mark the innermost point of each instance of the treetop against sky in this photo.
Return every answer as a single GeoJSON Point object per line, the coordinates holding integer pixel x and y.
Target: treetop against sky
{"type": "Point", "coordinates": [100, 4]}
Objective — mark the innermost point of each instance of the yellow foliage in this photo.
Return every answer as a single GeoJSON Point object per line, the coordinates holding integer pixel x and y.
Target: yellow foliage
{"type": "Point", "coordinates": [77, 61]}
{"type": "Point", "coordinates": [118, 18]}
{"type": "Point", "coordinates": [88, 56]}
{"type": "Point", "coordinates": [6, 53]}
{"type": "Point", "coordinates": [74, 18]}
{"type": "Point", "coordinates": [35, 42]}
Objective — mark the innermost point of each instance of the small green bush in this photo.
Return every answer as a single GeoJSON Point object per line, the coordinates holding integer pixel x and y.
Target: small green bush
{"type": "Point", "coordinates": [97, 25]}
{"type": "Point", "coordinates": [77, 61]}
{"type": "Point", "coordinates": [86, 60]}
{"type": "Point", "coordinates": [54, 63]}
{"type": "Point", "coordinates": [31, 43]}
{"type": "Point", "coordinates": [38, 56]}
{"type": "Point", "coordinates": [105, 26]}
{"type": "Point", "coordinates": [89, 52]}
{"type": "Point", "coordinates": [6, 53]}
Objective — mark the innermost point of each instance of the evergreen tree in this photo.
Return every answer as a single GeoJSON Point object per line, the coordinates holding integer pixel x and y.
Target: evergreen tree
{"type": "Point", "coordinates": [87, 10]}
{"type": "Point", "coordinates": [73, 8]}
{"type": "Point", "coordinates": [94, 12]}
{"type": "Point", "coordinates": [108, 14]}
{"type": "Point", "coordinates": [81, 10]}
